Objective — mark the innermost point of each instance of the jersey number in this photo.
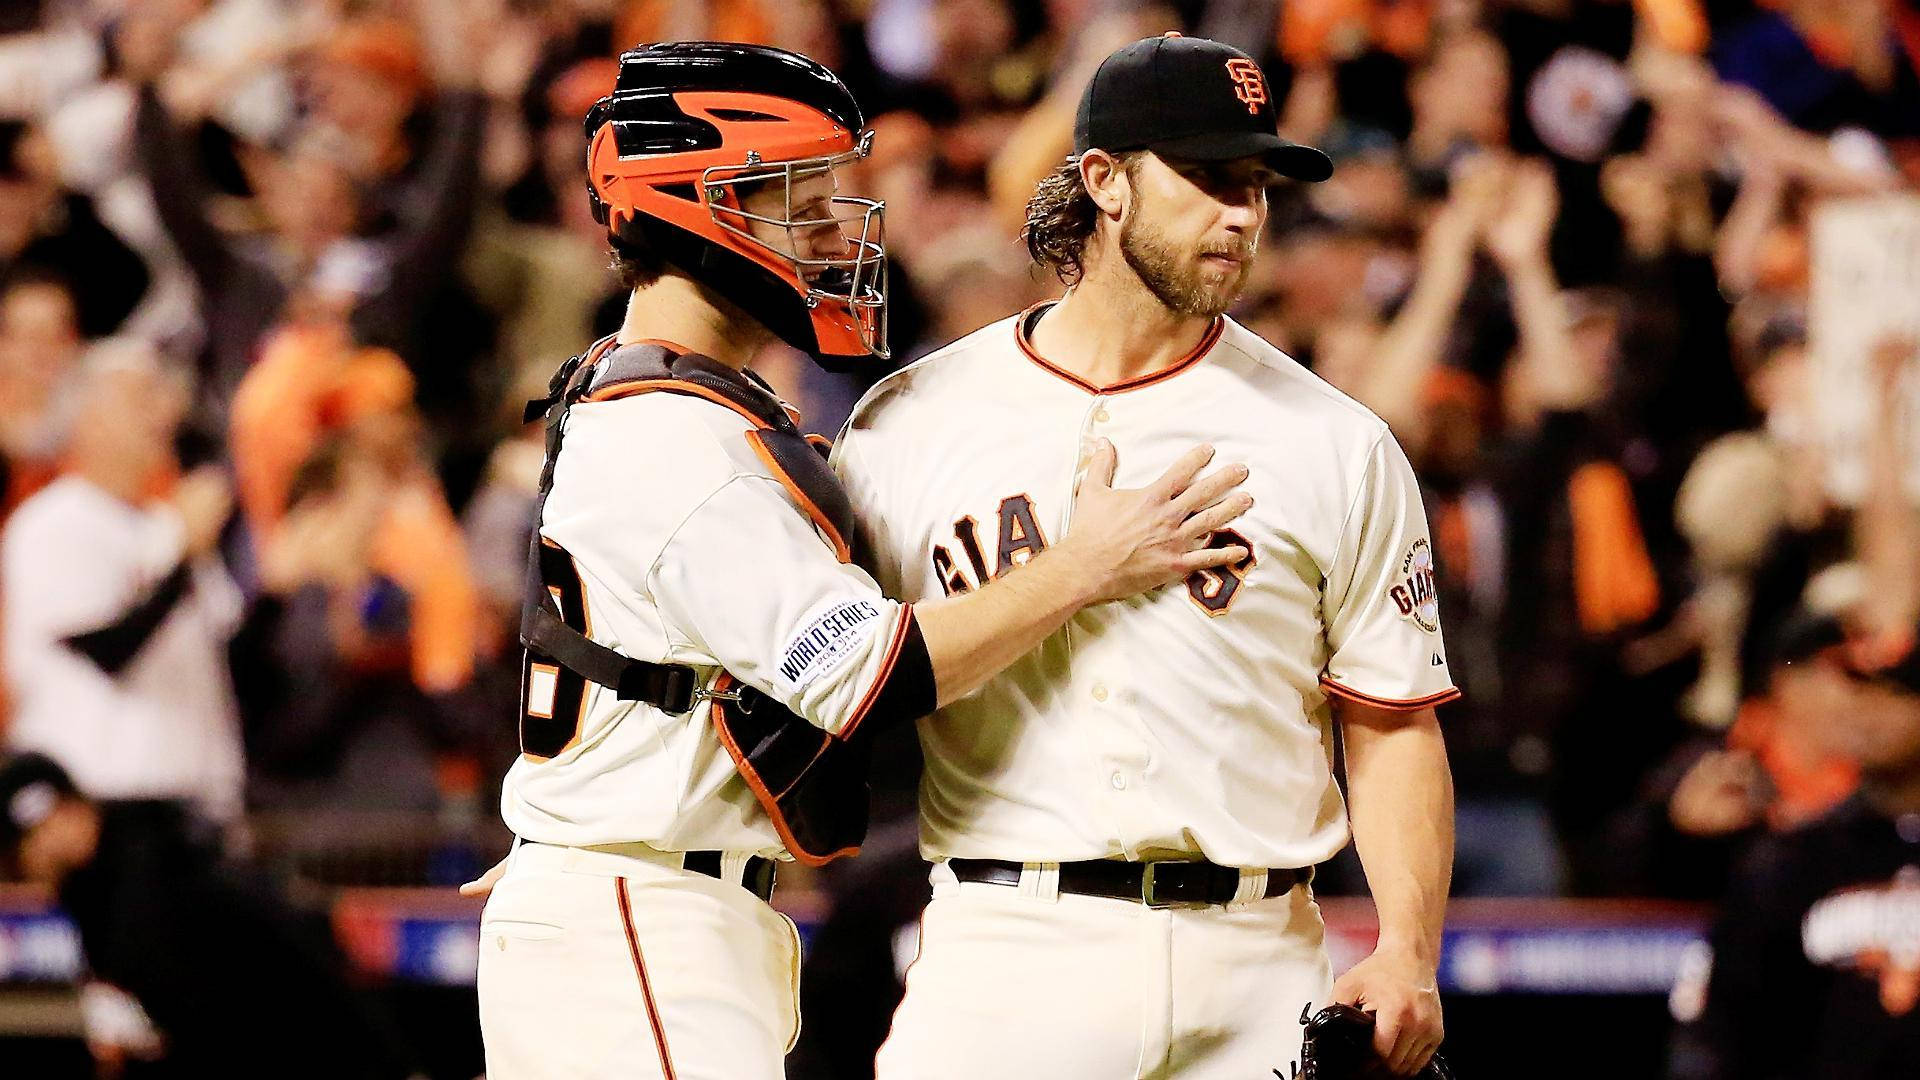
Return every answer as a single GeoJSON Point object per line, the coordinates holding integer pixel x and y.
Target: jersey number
{"type": "Point", "coordinates": [552, 698]}
{"type": "Point", "coordinates": [1214, 589]}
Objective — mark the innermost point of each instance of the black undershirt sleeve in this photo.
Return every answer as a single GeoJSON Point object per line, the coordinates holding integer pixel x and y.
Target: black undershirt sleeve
{"type": "Point", "coordinates": [113, 646]}
{"type": "Point", "coordinates": [908, 692]}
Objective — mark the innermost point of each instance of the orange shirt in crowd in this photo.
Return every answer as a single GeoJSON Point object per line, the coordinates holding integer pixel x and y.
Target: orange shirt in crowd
{"type": "Point", "coordinates": [717, 20]}
{"type": "Point", "coordinates": [1807, 780]}
{"type": "Point", "coordinates": [1314, 32]}
{"type": "Point", "coordinates": [308, 383]}
{"type": "Point", "coordinates": [418, 546]}
{"type": "Point", "coordinates": [1614, 583]}
{"type": "Point", "coordinates": [24, 477]}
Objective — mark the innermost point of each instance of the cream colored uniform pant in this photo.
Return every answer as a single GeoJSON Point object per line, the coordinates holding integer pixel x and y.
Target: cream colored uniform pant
{"type": "Point", "coordinates": [1028, 984]}
{"type": "Point", "coordinates": [599, 962]}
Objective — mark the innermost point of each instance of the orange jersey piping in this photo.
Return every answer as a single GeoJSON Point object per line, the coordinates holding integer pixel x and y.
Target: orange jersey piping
{"type": "Point", "coordinates": [1207, 342]}
{"type": "Point", "coordinates": [1395, 704]}
{"type": "Point", "coordinates": [640, 970]}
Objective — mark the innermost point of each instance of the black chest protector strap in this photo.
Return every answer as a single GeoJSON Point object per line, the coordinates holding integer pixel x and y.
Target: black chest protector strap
{"type": "Point", "coordinates": [543, 630]}
{"type": "Point", "coordinates": [608, 371]}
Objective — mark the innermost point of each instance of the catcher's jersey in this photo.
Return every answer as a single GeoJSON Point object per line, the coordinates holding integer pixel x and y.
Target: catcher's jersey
{"type": "Point", "coordinates": [1192, 719]}
{"type": "Point", "coordinates": [688, 551]}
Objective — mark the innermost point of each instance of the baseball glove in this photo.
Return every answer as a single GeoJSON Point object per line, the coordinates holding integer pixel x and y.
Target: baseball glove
{"type": "Point", "coordinates": [1338, 1045]}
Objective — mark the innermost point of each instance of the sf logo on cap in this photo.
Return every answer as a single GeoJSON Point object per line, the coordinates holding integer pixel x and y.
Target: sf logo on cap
{"type": "Point", "coordinates": [1248, 85]}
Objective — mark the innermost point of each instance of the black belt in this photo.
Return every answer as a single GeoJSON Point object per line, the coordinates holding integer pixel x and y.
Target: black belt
{"type": "Point", "coordinates": [756, 877]}
{"type": "Point", "coordinates": [1155, 884]}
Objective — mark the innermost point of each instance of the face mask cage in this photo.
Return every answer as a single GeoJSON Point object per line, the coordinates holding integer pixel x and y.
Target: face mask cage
{"type": "Point", "coordinates": [854, 281]}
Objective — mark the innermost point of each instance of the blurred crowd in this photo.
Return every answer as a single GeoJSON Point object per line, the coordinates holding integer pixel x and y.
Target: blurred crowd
{"type": "Point", "coordinates": [277, 275]}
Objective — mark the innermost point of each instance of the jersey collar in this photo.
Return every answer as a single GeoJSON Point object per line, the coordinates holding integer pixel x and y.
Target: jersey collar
{"type": "Point", "coordinates": [1023, 326]}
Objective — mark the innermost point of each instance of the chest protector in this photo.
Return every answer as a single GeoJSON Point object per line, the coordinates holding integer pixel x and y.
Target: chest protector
{"type": "Point", "coordinates": [813, 785]}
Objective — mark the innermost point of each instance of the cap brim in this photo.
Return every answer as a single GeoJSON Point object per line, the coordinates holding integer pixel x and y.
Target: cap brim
{"type": "Point", "coordinates": [1803, 634]}
{"type": "Point", "coordinates": [1288, 159]}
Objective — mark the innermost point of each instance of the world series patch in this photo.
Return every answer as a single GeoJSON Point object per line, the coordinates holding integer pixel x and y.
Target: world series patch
{"type": "Point", "coordinates": [1414, 594]}
{"type": "Point", "coordinates": [824, 643]}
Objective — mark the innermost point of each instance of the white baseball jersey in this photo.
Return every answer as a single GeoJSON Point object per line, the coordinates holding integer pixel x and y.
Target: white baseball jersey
{"type": "Point", "coordinates": [1195, 718]}
{"type": "Point", "coordinates": [688, 551]}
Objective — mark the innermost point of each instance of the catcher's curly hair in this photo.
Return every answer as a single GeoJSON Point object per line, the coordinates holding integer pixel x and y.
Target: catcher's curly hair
{"type": "Point", "coordinates": [635, 263]}
{"type": "Point", "coordinates": [1061, 217]}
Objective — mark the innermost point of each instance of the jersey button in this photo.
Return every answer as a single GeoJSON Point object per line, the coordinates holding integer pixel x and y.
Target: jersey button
{"type": "Point", "coordinates": [1100, 694]}
{"type": "Point", "coordinates": [1101, 415]}
{"type": "Point", "coordinates": [1119, 782]}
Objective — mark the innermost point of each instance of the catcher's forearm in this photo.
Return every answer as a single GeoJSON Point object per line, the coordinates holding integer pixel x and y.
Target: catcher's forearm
{"type": "Point", "coordinates": [976, 635]}
{"type": "Point", "coordinates": [1401, 797]}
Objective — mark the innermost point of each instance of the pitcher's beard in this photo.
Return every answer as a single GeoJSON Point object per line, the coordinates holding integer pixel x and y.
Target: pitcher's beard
{"type": "Point", "coordinates": [1177, 284]}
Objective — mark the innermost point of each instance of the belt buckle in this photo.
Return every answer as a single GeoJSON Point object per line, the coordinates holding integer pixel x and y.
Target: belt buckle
{"type": "Point", "coordinates": [1150, 889]}
{"type": "Point", "coordinates": [1148, 894]}
{"type": "Point", "coordinates": [758, 877]}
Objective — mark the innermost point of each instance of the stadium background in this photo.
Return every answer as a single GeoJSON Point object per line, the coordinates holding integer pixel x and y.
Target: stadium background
{"type": "Point", "coordinates": [1624, 276]}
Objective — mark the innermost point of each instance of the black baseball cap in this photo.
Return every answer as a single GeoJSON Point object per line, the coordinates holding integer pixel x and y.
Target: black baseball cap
{"type": "Point", "coordinates": [1191, 98]}
{"type": "Point", "coordinates": [30, 786]}
{"type": "Point", "coordinates": [1802, 634]}
{"type": "Point", "coordinates": [1805, 635]}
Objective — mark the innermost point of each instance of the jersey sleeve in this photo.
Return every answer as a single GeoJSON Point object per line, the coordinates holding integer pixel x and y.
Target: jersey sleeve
{"type": "Point", "coordinates": [1381, 611]}
{"type": "Point", "coordinates": [746, 580]}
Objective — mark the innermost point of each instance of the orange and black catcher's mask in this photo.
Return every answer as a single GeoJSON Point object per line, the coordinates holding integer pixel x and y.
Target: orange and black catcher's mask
{"type": "Point", "coordinates": [688, 126]}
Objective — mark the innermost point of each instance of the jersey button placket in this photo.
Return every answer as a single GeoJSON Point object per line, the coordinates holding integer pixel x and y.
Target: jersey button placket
{"type": "Point", "coordinates": [1113, 755]}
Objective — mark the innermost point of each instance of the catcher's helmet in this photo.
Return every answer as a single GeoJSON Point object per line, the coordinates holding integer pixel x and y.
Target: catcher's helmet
{"type": "Point", "coordinates": [687, 124]}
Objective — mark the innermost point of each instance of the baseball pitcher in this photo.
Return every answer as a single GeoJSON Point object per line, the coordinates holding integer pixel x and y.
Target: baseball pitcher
{"type": "Point", "coordinates": [1123, 822]}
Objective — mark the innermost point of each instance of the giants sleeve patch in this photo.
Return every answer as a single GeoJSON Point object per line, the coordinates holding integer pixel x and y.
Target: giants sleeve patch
{"type": "Point", "coordinates": [1413, 594]}
{"type": "Point", "coordinates": [823, 644]}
